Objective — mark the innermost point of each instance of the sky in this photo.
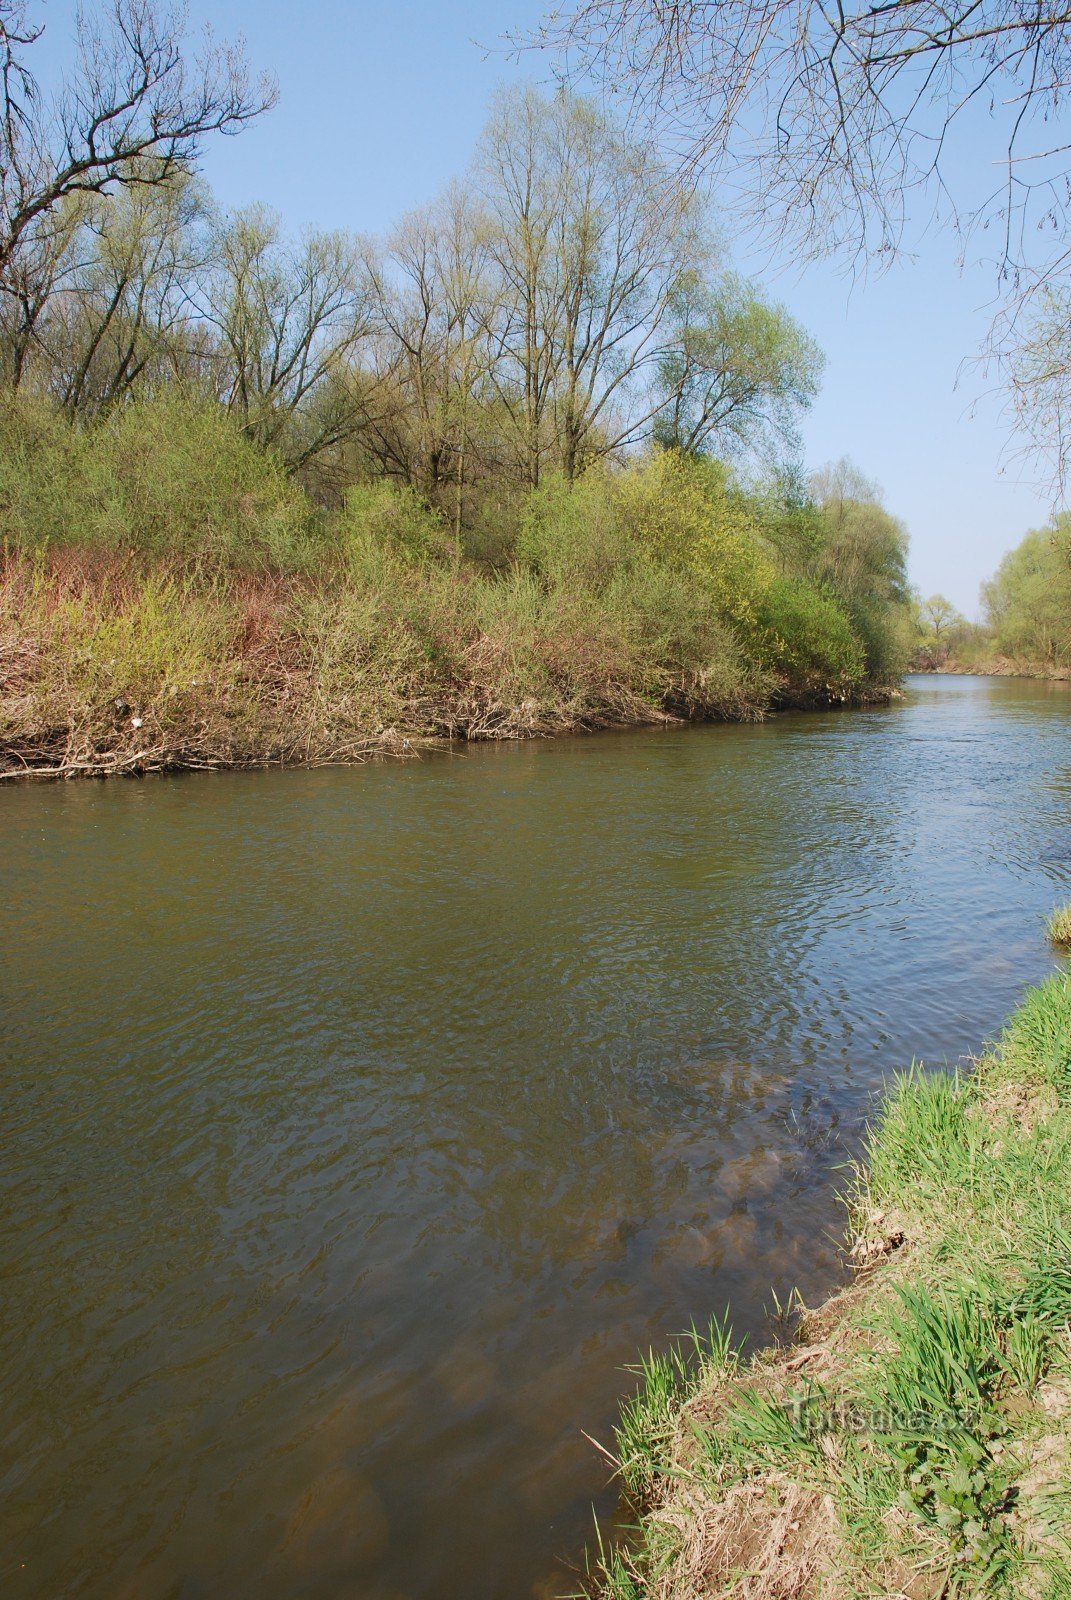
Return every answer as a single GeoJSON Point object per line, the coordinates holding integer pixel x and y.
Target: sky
{"type": "Point", "coordinates": [381, 104]}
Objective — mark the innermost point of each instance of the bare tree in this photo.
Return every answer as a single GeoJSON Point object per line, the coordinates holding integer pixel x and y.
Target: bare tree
{"type": "Point", "coordinates": [119, 315]}
{"type": "Point", "coordinates": [134, 111]}
{"type": "Point", "coordinates": [288, 321]}
{"type": "Point", "coordinates": [431, 294]}
{"type": "Point", "coordinates": [589, 238]}
{"type": "Point", "coordinates": [831, 115]}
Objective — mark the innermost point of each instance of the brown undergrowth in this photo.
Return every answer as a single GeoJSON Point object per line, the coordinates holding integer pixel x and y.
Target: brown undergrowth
{"type": "Point", "coordinates": [113, 663]}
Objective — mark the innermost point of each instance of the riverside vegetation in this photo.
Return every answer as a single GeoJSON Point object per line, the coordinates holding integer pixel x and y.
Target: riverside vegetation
{"type": "Point", "coordinates": [169, 596]}
{"type": "Point", "coordinates": [517, 467]}
{"type": "Point", "coordinates": [1027, 615]}
{"type": "Point", "coordinates": [915, 1439]}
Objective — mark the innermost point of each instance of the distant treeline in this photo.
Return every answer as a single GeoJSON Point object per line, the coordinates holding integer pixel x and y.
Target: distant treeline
{"type": "Point", "coordinates": [1027, 612]}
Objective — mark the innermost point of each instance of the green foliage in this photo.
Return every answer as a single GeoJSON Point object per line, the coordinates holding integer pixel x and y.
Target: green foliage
{"type": "Point", "coordinates": [380, 518]}
{"type": "Point", "coordinates": [864, 558]}
{"type": "Point", "coordinates": [686, 513]}
{"type": "Point", "coordinates": [1028, 601]}
{"type": "Point", "coordinates": [166, 477]}
{"type": "Point", "coordinates": [807, 635]}
{"type": "Point", "coordinates": [574, 533]}
{"type": "Point", "coordinates": [618, 597]}
{"type": "Point", "coordinates": [738, 371]}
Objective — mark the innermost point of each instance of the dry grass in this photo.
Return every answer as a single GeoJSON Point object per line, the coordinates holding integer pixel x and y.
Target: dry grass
{"type": "Point", "coordinates": [113, 664]}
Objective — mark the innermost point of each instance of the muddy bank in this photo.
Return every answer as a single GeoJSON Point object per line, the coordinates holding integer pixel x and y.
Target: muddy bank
{"type": "Point", "coordinates": [998, 667]}
{"type": "Point", "coordinates": [63, 752]}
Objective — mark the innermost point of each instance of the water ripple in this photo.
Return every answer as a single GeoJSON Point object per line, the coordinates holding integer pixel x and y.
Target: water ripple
{"type": "Point", "coordinates": [360, 1125]}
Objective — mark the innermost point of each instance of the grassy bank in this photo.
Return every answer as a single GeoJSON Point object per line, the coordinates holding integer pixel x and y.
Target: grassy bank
{"type": "Point", "coordinates": [916, 1440]}
{"type": "Point", "coordinates": [170, 597]}
{"type": "Point", "coordinates": [115, 667]}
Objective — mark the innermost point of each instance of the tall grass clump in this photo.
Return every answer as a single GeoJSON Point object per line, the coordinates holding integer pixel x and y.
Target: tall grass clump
{"type": "Point", "coordinates": [1058, 927]}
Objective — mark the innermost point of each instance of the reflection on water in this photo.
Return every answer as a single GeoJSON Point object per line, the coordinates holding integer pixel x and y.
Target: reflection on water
{"type": "Point", "coordinates": [362, 1124]}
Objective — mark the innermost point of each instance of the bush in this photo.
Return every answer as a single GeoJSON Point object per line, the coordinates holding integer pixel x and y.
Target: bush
{"type": "Point", "coordinates": [165, 478]}
{"type": "Point", "coordinates": [573, 533]}
{"type": "Point", "coordinates": [683, 513]}
{"type": "Point", "coordinates": [805, 636]}
{"type": "Point", "coordinates": [384, 517]}
{"type": "Point", "coordinates": [159, 566]}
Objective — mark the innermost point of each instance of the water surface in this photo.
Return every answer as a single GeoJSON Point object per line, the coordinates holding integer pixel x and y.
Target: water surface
{"type": "Point", "coordinates": [360, 1124]}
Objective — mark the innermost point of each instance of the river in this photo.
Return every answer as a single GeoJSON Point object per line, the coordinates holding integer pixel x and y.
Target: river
{"type": "Point", "coordinates": [360, 1124]}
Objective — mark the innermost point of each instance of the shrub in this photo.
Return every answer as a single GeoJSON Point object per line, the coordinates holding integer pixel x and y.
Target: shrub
{"type": "Point", "coordinates": [683, 513]}
{"type": "Point", "coordinates": [385, 517]}
{"type": "Point", "coordinates": [804, 635]}
{"type": "Point", "coordinates": [573, 533]}
{"type": "Point", "coordinates": [165, 478]}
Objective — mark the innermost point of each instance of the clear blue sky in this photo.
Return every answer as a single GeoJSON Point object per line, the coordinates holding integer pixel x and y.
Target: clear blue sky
{"type": "Point", "coordinates": [381, 103]}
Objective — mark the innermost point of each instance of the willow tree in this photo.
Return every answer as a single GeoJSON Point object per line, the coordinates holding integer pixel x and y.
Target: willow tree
{"type": "Point", "coordinates": [830, 124]}
{"type": "Point", "coordinates": [432, 297]}
{"type": "Point", "coordinates": [119, 317]}
{"type": "Point", "coordinates": [288, 319]}
{"type": "Point", "coordinates": [589, 237]}
{"type": "Point", "coordinates": [736, 372]}
{"type": "Point", "coordinates": [1028, 600]}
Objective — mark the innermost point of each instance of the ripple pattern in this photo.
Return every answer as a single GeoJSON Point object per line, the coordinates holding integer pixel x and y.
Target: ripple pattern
{"type": "Point", "coordinates": [361, 1124]}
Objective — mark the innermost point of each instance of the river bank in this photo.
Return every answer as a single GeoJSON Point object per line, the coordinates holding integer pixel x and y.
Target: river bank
{"type": "Point", "coordinates": [996, 667]}
{"type": "Point", "coordinates": [414, 1099]}
{"type": "Point", "coordinates": [915, 1438]}
{"type": "Point", "coordinates": [171, 597]}
{"type": "Point", "coordinates": [116, 666]}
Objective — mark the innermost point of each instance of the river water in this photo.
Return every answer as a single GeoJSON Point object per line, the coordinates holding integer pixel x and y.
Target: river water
{"type": "Point", "coordinates": [361, 1124]}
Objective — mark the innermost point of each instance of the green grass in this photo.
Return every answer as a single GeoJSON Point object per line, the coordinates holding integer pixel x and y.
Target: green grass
{"type": "Point", "coordinates": [922, 1443]}
{"type": "Point", "coordinates": [648, 1417]}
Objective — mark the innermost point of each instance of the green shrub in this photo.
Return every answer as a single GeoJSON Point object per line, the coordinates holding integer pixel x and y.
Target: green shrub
{"type": "Point", "coordinates": [804, 635]}
{"type": "Point", "coordinates": [684, 513]}
{"type": "Point", "coordinates": [573, 533]}
{"type": "Point", "coordinates": [382, 517]}
{"type": "Point", "coordinates": [164, 478]}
